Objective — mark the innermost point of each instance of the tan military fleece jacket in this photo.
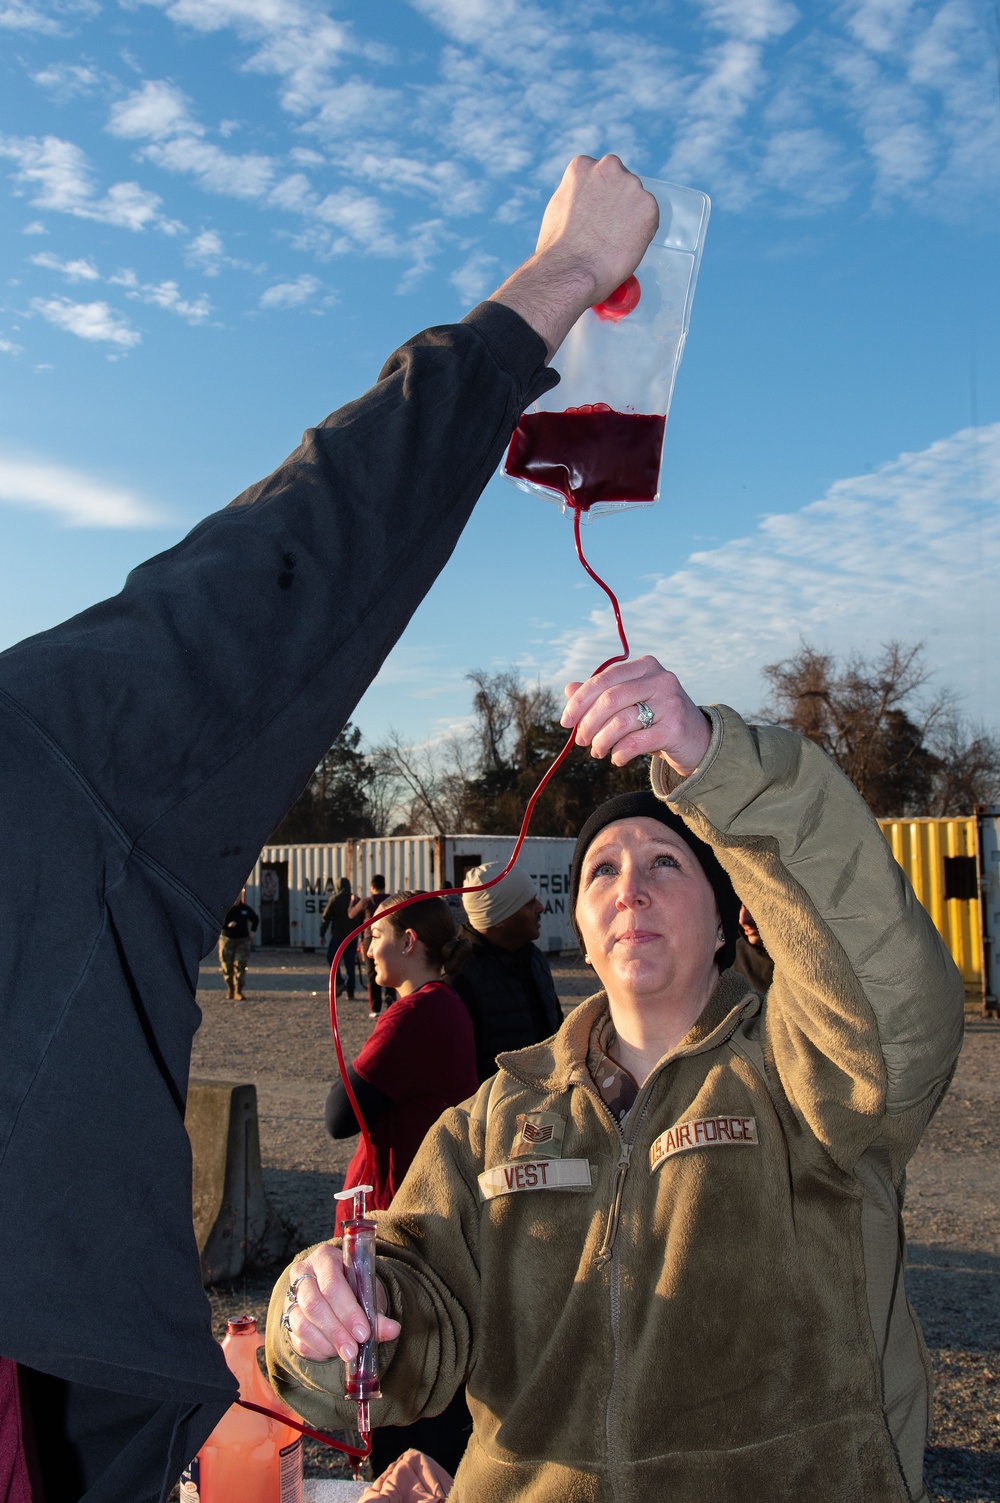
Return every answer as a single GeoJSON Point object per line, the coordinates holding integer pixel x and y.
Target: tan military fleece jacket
{"type": "Point", "coordinates": [705, 1306]}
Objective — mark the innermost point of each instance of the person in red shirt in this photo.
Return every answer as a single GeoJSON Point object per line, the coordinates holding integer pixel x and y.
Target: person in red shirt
{"type": "Point", "coordinates": [420, 1059]}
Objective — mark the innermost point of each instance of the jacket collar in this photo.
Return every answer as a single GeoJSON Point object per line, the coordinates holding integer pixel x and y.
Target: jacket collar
{"type": "Point", "coordinates": [557, 1062]}
{"type": "Point", "coordinates": [499, 952]}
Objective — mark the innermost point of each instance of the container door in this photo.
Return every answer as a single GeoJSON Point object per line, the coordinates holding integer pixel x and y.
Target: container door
{"type": "Point", "coordinates": [463, 864]}
{"type": "Point", "coordinates": [274, 927]}
{"type": "Point", "coordinates": [989, 897]}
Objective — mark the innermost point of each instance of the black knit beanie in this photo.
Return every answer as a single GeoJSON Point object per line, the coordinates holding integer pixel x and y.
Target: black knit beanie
{"type": "Point", "coordinates": [647, 806]}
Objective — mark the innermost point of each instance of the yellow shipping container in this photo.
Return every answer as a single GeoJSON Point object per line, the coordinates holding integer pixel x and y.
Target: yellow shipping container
{"type": "Point", "coordinates": [940, 858]}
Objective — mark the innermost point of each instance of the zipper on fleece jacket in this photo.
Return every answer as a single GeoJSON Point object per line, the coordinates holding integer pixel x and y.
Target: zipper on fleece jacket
{"type": "Point", "coordinates": [614, 1214]}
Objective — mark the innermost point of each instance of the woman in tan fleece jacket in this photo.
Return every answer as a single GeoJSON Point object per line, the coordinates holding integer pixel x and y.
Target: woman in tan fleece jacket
{"type": "Point", "coordinates": [663, 1248]}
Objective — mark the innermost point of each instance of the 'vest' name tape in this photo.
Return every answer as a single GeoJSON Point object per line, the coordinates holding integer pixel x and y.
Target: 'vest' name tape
{"type": "Point", "coordinates": [703, 1132]}
{"type": "Point", "coordinates": [535, 1174]}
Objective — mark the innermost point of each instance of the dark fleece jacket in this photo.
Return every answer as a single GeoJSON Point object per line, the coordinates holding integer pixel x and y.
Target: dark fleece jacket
{"type": "Point", "coordinates": [705, 1304]}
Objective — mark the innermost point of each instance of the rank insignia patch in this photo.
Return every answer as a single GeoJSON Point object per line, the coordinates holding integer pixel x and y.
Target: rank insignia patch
{"type": "Point", "coordinates": [539, 1134]}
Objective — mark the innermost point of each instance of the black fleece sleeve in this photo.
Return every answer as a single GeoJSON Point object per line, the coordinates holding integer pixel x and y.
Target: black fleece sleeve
{"type": "Point", "coordinates": [196, 703]}
{"type": "Point", "coordinates": [339, 1114]}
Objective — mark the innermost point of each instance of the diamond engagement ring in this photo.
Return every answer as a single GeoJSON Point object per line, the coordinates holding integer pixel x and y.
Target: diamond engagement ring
{"type": "Point", "coordinates": [646, 716]}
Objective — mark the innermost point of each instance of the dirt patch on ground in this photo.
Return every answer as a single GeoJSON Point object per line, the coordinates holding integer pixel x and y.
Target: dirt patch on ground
{"type": "Point", "coordinates": [280, 1039]}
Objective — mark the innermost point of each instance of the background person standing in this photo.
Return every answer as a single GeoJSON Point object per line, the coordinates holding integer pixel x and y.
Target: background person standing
{"type": "Point", "coordinates": [337, 918]}
{"type": "Point", "coordinates": [361, 910]}
{"type": "Point", "coordinates": [235, 943]}
{"type": "Point", "coordinates": [506, 983]}
{"type": "Point", "coordinates": [751, 954]}
{"type": "Point", "coordinates": [420, 1060]}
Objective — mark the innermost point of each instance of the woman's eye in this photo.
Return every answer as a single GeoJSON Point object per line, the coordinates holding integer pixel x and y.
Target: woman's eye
{"type": "Point", "coordinates": [602, 869]}
{"type": "Point", "coordinates": [666, 861]}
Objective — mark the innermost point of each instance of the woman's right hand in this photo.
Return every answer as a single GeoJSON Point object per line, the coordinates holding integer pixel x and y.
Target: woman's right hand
{"type": "Point", "coordinates": [326, 1320]}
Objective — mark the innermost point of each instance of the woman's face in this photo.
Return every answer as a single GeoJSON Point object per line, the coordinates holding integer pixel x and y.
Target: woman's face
{"type": "Point", "coordinates": [646, 910]}
{"type": "Point", "coordinates": [387, 948]}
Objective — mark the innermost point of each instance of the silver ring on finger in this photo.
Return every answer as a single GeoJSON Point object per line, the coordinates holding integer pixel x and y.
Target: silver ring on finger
{"type": "Point", "coordinates": [292, 1297]}
{"type": "Point", "coordinates": [645, 714]}
{"type": "Point", "coordinates": [286, 1324]}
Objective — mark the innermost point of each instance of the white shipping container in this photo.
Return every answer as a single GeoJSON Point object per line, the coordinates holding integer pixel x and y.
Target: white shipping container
{"type": "Point", "coordinates": [290, 884]}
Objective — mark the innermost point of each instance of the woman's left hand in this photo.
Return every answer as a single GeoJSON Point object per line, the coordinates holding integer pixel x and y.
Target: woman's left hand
{"type": "Point", "coordinates": [604, 711]}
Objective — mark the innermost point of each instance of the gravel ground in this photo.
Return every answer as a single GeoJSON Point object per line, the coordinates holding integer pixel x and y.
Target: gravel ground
{"type": "Point", "coordinates": [280, 1039]}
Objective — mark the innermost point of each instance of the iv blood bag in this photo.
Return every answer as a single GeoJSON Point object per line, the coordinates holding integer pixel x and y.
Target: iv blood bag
{"type": "Point", "coordinates": [595, 442]}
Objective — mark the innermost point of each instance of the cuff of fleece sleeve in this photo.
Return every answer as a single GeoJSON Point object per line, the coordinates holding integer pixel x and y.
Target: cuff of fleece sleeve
{"type": "Point", "coordinates": [669, 785]}
{"type": "Point", "coordinates": [516, 346]}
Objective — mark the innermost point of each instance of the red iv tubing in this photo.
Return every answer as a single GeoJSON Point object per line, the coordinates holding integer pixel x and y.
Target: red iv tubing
{"type": "Point", "coordinates": [360, 1453]}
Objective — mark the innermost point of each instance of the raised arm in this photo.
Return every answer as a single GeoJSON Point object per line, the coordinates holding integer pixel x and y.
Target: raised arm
{"type": "Point", "coordinates": [864, 1019]}
{"type": "Point", "coordinates": [195, 704]}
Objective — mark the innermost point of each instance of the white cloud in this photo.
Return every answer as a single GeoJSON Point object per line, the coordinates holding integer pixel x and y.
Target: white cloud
{"type": "Point", "coordinates": [61, 177]}
{"type": "Point", "coordinates": [290, 294]}
{"type": "Point", "coordinates": [8, 347]}
{"type": "Point", "coordinates": [92, 321]}
{"type": "Point", "coordinates": [297, 42]}
{"type": "Point", "coordinates": [18, 15]}
{"type": "Point", "coordinates": [74, 271]}
{"type": "Point", "coordinates": [761, 102]}
{"type": "Point", "coordinates": [77, 499]}
{"type": "Point", "coordinates": [474, 278]}
{"type": "Point", "coordinates": [808, 165]}
{"type": "Point", "coordinates": [158, 114]}
{"type": "Point", "coordinates": [206, 252]}
{"type": "Point", "coordinates": [362, 220]}
{"type": "Point", "coordinates": [341, 108]}
{"type": "Point", "coordinates": [911, 550]}
{"type": "Point", "coordinates": [422, 244]}
{"type": "Point", "coordinates": [218, 171]}
{"type": "Point", "coordinates": [921, 84]}
{"type": "Point", "coordinates": [152, 113]}
{"type": "Point", "coordinates": [67, 80]}
{"type": "Point", "coordinates": [444, 181]}
{"type": "Point", "coordinates": [166, 295]}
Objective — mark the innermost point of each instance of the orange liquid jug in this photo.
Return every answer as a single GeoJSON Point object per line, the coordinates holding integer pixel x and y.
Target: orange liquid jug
{"type": "Point", "coordinates": [248, 1458]}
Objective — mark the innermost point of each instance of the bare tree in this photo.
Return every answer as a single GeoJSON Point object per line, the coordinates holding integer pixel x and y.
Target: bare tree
{"type": "Point", "coordinates": [428, 783]}
{"type": "Point", "coordinates": [868, 716]}
{"type": "Point", "coordinates": [969, 773]}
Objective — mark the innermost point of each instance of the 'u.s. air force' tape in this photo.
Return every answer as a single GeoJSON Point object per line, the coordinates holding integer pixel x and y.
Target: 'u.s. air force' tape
{"type": "Point", "coordinates": [535, 1174]}
{"type": "Point", "coordinates": [703, 1132]}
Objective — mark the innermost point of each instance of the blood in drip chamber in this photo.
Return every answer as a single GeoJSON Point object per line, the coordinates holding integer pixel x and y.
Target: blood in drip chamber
{"type": "Point", "coordinates": [589, 454]}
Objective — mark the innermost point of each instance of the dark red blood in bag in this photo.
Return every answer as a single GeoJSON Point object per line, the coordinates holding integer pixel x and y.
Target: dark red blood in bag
{"type": "Point", "coordinates": [589, 454]}
{"type": "Point", "coordinates": [621, 302]}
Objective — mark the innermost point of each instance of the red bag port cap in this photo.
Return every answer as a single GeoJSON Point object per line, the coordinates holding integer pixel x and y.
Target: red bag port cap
{"type": "Point", "coordinates": [621, 302]}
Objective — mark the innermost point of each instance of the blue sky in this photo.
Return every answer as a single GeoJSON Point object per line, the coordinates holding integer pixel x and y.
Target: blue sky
{"type": "Point", "coordinates": [221, 215]}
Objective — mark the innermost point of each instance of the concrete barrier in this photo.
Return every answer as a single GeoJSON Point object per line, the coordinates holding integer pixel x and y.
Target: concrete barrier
{"type": "Point", "coordinates": [233, 1222]}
